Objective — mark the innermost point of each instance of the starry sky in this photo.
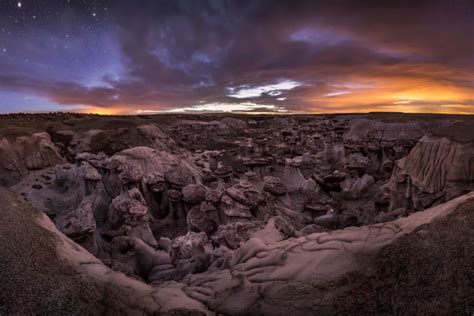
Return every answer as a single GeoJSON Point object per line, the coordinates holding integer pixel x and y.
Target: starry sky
{"type": "Point", "coordinates": [268, 56]}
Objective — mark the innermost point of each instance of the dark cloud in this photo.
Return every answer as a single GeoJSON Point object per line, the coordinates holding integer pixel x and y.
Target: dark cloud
{"type": "Point", "coordinates": [176, 54]}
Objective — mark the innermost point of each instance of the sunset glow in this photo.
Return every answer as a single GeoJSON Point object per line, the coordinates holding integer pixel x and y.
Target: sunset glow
{"type": "Point", "coordinates": [303, 57]}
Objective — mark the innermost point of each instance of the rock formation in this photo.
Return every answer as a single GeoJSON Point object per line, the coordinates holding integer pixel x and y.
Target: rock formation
{"type": "Point", "coordinates": [24, 154]}
{"type": "Point", "coordinates": [437, 169]}
{"type": "Point", "coordinates": [192, 215]}
{"type": "Point", "coordinates": [37, 258]}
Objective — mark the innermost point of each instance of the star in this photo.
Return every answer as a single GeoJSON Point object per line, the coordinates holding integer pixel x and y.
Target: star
{"type": "Point", "coordinates": [19, 4]}
{"type": "Point", "coordinates": [93, 14]}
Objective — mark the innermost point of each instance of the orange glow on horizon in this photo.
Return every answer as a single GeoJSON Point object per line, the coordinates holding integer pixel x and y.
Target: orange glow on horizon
{"type": "Point", "coordinates": [116, 110]}
{"type": "Point", "coordinates": [415, 89]}
{"type": "Point", "coordinates": [410, 94]}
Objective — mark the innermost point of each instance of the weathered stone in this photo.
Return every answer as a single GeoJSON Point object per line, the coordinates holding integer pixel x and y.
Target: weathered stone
{"type": "Point", "coordinates": [274, 185]}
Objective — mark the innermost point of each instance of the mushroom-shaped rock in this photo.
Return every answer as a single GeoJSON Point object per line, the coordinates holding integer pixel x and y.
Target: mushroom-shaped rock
{"type": "Point", "coordinates": [223, 172]}
{"type": "Point", "coordinates": [208, 177]}
{"type": "Point", "coordinates": [178, 178]}
{"type": "Point", "coordinates": [158, 187]}
{"type": "Point", "coordinates": [176, 207]}
{"type": "Point", "coordinates": [316, 209]}
{"type": "Point", "coordinates": [129, 213]}
{"type": "Point", "coordinates": [125, 206]}
{"type": "Point", "coordinates": [274, 185]}
{"type": "Point", "coordinates": [295, 161]}
{"type": "Point", "coordinates": [174, 195]}
{"type": "Point", "coordinates": [154, 178]}
{"type": "Point", "coordinates": [194, 193]}
{"type": "Point", "coordinates": [136, 209]}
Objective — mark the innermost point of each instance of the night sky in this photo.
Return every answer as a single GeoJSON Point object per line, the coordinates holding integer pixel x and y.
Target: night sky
{"type": "Point", "coordinates": [132, 57]}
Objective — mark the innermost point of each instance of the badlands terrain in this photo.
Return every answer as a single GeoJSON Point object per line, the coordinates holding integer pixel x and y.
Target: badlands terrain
{"type": "Point", "coordinates": [237, 214]}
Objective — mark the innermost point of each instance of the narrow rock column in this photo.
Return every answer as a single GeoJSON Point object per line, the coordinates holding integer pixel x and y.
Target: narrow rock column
{"type": "Point", "coordinates": [175, 207]}
{"type": "Point", "coordinates": [224, 177]}
{"type": "Point", "coordinates": [292, 176]}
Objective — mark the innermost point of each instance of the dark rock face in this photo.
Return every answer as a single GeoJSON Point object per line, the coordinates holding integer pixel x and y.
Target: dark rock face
{"type": "Point", "coordinates": [279, 215]}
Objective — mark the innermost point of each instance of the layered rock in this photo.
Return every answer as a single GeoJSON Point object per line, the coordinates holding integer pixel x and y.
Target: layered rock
{"type": "Point", "coordinates": [438, 163]}
{"type": "Point", "coordinates": [436, 170]}
{"type": "Point", "coordinates": [138, 162]}
{"type": "Point", "coordinates": [24, 154]}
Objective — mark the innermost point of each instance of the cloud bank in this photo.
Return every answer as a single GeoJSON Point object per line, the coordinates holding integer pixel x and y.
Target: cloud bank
{"type": "Point", "coordinates": [273, 56]}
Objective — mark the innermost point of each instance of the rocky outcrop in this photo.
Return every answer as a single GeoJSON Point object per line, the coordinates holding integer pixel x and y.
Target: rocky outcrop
{"type": "Point", "coordinates": [331, 273]}
{"type": "Point", "coordinates": [138, 162]}
{"type": "Point", "coordinates": [436, 170]}
{"type": "Point", "coordinates": [438, 163]}
{"type": "Point", "coordinates": [44, 272]}
{"type": "Point", "coordinates": [24, 154]}
{"type": "Point", "coordinates": [118, 196]}
{"type": "Point", "coordinates": [283, 215]}
{"type": "Point", "coordinates": [363, 128]}
{"type": "Point", "coordinates": [111, 141]}
{"type": "Point", "coordinates": [317, 273]}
